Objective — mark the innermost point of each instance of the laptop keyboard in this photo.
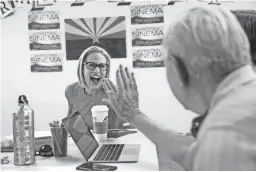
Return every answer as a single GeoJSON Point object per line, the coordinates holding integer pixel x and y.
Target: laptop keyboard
{"type": "Point", "coordinates": [109, 152]}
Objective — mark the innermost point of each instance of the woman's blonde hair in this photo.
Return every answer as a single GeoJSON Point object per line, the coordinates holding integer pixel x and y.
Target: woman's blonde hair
{"type": "Point", "coordinates": [82, 59]}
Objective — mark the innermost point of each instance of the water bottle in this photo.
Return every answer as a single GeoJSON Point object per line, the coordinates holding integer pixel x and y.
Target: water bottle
{"type": "Point", "coordinates": [23, 133]}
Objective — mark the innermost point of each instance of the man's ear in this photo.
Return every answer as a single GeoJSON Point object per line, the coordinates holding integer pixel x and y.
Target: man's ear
{"type": "Point", "coordinates": [182, 69]}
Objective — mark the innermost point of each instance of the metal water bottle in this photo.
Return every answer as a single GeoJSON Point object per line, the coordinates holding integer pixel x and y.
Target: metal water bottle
{"type": "Point", "coordinates": [23, 133]}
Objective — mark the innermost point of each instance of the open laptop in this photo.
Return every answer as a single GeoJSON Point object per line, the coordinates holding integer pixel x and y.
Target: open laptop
{"type": "Point", "coordinates": [93, 151]}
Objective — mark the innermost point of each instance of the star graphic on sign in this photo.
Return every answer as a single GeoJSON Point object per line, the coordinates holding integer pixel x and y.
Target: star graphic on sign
{"type": "Point", "coordinates": [96, 39]}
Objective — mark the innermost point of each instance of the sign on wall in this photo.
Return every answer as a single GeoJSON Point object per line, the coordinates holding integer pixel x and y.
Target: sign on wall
{"type": "Point", "coordinates": [147, 36]}
{"type": "Point", "coordinates": [106, 32]}
{"type": "Point", "coordinates": [46, 62]}
{"type": "Point", "coordinates": [50, 40]}
{"type": "Point", "coordinates": [43, 20]}
{"type": "Point", "coordinates": [147, 31]}
{"type": "Point", "coordinates": [147, 57]}
{"type": "Point", "coordinates": [6, 9]}
{"type": "Point", "coordinates": [147, 14]}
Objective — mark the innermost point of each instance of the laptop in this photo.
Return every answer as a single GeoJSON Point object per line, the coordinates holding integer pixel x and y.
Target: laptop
{"type": "Point", "coordinates": [93, 151]}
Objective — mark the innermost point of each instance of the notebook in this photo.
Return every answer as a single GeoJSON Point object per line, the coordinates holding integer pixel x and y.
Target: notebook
{"type": "Point", "coordinates": [97, 152]}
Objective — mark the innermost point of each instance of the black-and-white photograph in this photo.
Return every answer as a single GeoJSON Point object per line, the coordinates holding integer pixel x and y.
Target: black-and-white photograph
{"type": "Point", "coordinates": [134, 85]}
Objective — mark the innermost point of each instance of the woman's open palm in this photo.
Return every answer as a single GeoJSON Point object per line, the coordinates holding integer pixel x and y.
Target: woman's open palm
{"type": "Point", "coordinates": [124, 98]}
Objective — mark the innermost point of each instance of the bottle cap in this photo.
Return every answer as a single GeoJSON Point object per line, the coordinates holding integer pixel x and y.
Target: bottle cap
{"type": "Point", "coordinates": [23, 99]}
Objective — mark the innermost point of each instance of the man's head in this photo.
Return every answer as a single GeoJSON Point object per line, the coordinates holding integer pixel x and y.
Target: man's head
{"type": "Point", "coordinates": [247, 18]}
{"type": "Point", "coordinates": [202, 47]}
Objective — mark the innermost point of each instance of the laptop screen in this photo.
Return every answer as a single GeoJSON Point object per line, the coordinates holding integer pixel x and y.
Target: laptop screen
{"type": "Point", "coordinates": [81, 135]}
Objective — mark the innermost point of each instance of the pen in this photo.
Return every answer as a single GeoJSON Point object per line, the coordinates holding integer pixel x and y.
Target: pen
{"type": "Point", "coordinates": [56, 124]}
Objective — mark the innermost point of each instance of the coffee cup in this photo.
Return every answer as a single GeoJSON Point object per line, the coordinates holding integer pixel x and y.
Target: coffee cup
{"type": "Point", "coordinates": [100, 122]}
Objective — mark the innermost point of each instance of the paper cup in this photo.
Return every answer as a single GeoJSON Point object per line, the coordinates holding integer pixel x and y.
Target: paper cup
{"type": "Point", "coordinates": [100, 122]}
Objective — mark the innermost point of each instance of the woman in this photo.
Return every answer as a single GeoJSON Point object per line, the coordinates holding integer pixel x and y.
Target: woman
{"type": "Point", "coordinates": [93, 67]}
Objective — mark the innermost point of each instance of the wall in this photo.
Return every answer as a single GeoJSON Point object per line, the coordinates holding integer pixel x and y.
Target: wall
{"type": "Point", "coordinates": [45, 91]}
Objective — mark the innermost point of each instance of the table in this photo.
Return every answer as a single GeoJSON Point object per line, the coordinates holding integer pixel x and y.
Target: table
{"type": "Point", "coordinates": [147, 158]}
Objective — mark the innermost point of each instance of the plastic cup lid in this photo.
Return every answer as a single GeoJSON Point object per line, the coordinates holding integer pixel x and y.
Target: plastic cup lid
{"type": "Point", "coordinates": [99, 108]}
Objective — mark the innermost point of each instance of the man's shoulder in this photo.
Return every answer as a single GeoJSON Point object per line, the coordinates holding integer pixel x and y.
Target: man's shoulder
{"type": "Point", "coordinates": [241, 101]}
{"type": "Point", "coordinates": [234, 111]}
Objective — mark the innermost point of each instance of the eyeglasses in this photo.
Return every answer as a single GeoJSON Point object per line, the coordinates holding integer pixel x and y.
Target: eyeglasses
{"type": "Point", "coordinates": [5, 160]}
{"type": "Point", "coordinates": [92, 66]}
{"type": "Point", "coordinates": [45, 151]}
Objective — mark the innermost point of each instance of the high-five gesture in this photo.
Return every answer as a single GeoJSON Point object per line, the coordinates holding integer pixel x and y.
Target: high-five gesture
{"type": "Point", "coordinates": [125, 98]}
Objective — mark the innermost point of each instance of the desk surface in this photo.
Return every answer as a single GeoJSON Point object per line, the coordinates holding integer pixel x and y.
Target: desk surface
{"type": "Point", "coordinates": [147, 158]}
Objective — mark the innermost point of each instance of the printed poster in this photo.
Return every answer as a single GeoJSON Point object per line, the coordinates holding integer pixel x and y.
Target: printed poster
{"type": "Point", "coordinates": [6, 9]}
{"type": "Point", "coordinates": [46, 62]}
{"type": "Point", "coordinates": [147, 36]}
{"type": "Point", "coordinates": [147, 57]}
{"type": "Point", "coordinates": [50, 40]}
{"type": "Point", "coordinates": [106, 32]}
{"type": "Point", "coordinates": [147, 14]}
{"type": "Point", "coordinates": [43, 20]}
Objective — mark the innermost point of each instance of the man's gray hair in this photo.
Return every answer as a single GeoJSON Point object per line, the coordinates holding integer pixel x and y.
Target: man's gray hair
{"type": "Point", "coordinates": [216, 36]}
